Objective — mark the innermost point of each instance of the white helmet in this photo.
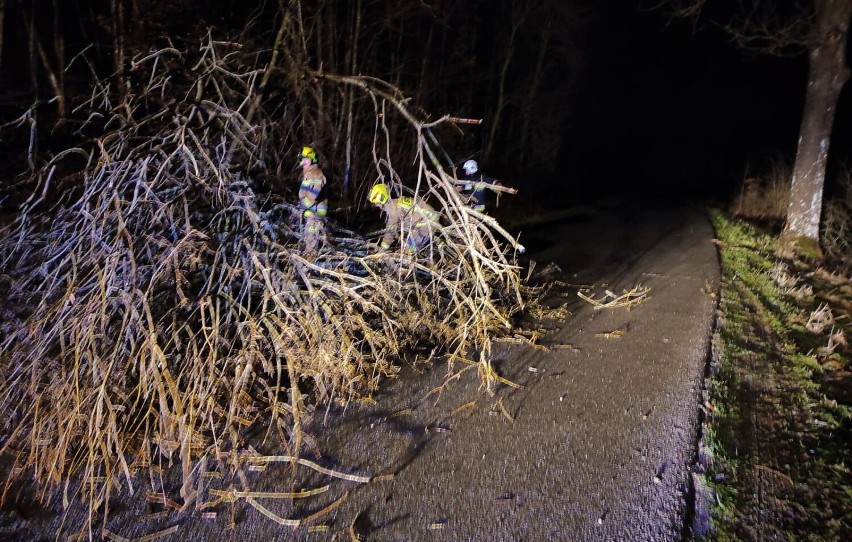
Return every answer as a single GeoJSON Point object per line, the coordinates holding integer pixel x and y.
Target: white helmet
{"type": "Point", "coordinates": [470, 167]}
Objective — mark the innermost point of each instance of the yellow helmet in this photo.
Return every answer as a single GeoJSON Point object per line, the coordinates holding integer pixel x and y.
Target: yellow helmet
{"type": "Point", "coordinates": [308, 152]}
{"type": "Point", "coordinates": [379, 194]}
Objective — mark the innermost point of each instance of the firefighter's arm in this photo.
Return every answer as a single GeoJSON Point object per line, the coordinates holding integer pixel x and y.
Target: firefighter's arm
{"type": "Point", "coordinates": [391, 227]}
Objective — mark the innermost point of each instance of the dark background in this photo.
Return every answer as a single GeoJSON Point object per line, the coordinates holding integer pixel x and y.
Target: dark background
{"type": "Point", "coordinates": [645, 102]}
{"type": "Point", "coordinates": [680, 111]}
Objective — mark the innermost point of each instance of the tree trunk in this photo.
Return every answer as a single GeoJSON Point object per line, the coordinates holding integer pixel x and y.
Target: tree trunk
{"type": "Point", "coordinates": [117, 12]}
{"type": "Point", "coordinates": [350, 99]}
{"type": "Point", "coordinates": [29, 24]}
{"type": "Point", "coordinates": [532, 94]}
{"type": "Point", "coordinates": [826, 76]}
{"type": "Point", "coordinates": [501, 88]}
{"type": "Point", "coordinates": [2, 21]}
{"type": "Point", "coordinates": [59, 53]}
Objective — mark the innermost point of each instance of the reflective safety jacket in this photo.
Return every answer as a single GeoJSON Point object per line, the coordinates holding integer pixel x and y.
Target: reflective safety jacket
{"type": "Point", "coordinates": [312, 192]}
{"type": "Point", "coordinates": [412, 222]}
{"type": "Point", "coordinates": [474, 187]}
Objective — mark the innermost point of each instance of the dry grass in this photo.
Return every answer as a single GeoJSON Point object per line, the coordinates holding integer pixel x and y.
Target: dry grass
{"type": "Point", "coordinates": [836, 226]}
{"type": "Point", "coordinates": [837, 232]}
{"type": "Point", "coordinates": [765, 197]}
{"type": "Point", "coordinates": [159, 309]}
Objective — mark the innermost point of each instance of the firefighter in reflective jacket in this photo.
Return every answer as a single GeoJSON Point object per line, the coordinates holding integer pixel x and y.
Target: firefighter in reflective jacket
{"type": "Point", "coordinates": [412, 222]}
{"type": "Point", "coordinates": [312, 200]}
{"type": "Point", "coordinates": [474, 184]}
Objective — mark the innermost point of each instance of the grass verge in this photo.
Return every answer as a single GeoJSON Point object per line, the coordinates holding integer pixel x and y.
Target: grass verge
{"type": "Point", "coordinates": [774, 451]}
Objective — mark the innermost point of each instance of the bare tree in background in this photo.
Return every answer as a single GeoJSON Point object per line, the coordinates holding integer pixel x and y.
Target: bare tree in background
{"type": "Point", "coordinates": [535, 54]}
{"type": "Point", "coordinates": [510, 66]}
{"type": "Point", "coordinates": [820, 27]}
{"type": "Point", "coordinates": [2, 22]}
{"type": "Point", "coordinates": [54, 73]}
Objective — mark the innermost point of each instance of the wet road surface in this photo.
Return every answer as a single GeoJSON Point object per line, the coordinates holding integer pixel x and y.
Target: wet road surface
{"type": "Point", "coordinates": [597, 445]}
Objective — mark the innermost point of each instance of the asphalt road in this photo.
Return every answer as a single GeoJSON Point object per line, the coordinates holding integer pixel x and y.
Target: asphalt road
{"type": "Point", "coordinates": [604, 433]}
{"type": "Point", "coordinates": [597, 445]}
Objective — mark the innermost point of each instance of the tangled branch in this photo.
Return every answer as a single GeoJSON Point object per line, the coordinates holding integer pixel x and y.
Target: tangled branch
{"type": "Point", "coordinates": [163, 307]}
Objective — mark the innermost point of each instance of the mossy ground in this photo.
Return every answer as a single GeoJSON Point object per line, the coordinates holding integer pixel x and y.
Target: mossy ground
{"type": "Point", "coordinates": [776, 439]}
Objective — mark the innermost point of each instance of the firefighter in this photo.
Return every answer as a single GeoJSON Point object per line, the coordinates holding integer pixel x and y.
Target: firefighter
{"type": "Point", "coordinates": [312, 201]}
{"type": "Point", "coordinates": [411, 222]}
{"type": "Point", "coordinates": [474, 184]}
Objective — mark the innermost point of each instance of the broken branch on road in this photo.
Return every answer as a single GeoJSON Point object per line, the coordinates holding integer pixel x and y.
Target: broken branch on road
{"type": "Point", "coordinates": [635, 296]}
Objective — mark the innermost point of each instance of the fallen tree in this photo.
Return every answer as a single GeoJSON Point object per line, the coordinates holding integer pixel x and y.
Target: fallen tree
{"type": "Point", "coordinates": [159, 307]}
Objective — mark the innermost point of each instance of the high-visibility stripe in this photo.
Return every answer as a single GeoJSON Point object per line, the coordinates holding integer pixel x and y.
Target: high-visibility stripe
{"type": "Point", "coordinates": [316, 209]}
{"type": "Point", "coordinates": [312, 188]}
